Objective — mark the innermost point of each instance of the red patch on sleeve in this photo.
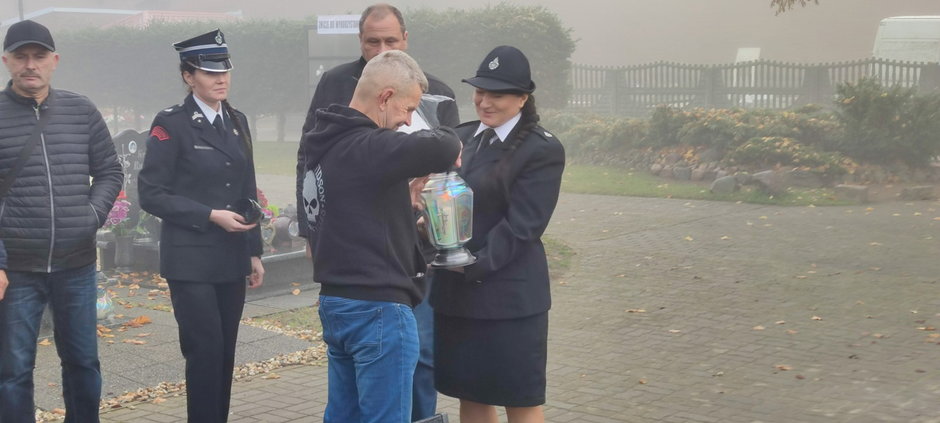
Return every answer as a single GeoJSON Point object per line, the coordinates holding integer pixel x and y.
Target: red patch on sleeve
{"type": "Point", "coordinates": [160, 133]}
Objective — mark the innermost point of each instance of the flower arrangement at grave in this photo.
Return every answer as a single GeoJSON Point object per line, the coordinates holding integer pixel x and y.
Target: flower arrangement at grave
{"type": "Point", "coordinates": [118, 221]}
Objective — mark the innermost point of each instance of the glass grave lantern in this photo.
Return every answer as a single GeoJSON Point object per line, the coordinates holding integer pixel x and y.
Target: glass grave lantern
{"type": "Point", "coordinates": [448, 214]}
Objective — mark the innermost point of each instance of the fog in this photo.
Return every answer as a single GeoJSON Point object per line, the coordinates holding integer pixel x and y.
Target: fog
{"type": "Point", "coordinates": [607, 32]}
{"type": "Point", "coordinates": [621, 32]}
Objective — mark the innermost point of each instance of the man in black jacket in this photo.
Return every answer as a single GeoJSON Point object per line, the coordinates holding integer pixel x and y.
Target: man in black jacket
{"type": "Point", "coordinates": [382, 28]}
{"type": "Point", "coordinates": [48, 221]}
{"type": "Point", "coordinates": [363, 237]}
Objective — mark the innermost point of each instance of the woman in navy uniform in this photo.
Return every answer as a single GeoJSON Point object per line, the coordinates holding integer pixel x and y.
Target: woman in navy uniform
{"type": "Point", "coordinates": [491, 317]}
{"type": "Point", "coordinates": [197, 170]}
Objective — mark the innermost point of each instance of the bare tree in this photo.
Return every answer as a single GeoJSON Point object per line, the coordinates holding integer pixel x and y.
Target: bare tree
{"type": "Point", "coordinates": [784, 5]}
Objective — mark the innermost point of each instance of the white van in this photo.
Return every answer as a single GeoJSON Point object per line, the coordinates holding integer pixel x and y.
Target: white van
{"type": "Point", "coordinates": [908, 38]}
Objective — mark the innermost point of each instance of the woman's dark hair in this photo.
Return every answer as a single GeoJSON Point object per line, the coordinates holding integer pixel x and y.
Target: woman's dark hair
{"type": "Point", "coordinates": [187, 68]}
{"type": "Point", "coordinates": [229, 110]}
{"type": "Point", "coordinates": [527, 122]}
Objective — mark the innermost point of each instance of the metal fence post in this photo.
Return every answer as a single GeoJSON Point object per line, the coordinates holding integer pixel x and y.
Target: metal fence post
{"type": "Point", "coordinates": [929, 78]}
{"type": "Point", "coordinates": [817, 87]}
{"type": "Point", "coordinates": [710, 93]}
{"type": "Point", "coordinates": [614, 82]}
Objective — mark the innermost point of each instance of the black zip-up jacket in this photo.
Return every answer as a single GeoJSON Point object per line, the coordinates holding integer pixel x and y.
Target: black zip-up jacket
{"type": "Point", "coordinates": [360, 222]}
{"type": "Point", "coordinates": [336, 86]}
{"type": "Point", "coordinates": [49, 217]}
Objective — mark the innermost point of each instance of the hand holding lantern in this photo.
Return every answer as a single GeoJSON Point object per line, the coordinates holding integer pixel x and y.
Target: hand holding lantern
{"type": "Point", "coordinates": [448, 213]}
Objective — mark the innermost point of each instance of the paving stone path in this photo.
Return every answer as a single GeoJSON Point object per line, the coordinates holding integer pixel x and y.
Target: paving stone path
{"type": "Point", "coordinates": [694, 311]}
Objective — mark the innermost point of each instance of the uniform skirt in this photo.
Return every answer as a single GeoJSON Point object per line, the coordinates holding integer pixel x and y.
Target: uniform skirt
{"type": "Point", "coordinates": [496, 362]}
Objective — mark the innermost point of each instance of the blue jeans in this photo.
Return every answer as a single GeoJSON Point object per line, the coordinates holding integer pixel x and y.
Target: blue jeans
{"type": "Point", "coordinates": [372, 348]}
{"type": "Point", "coordinates": [71, 295]}
{"type": "Point", "coordinates": [424, 401]}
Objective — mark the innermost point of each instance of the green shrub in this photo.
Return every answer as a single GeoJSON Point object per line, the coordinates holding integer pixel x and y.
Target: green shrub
{"type": "Point", "coordinates": [536, 30]}
{"type": "Point", "coordinates": [763, 152]}
{"type": "Point", "coordinates": [885, 125]}
{"type": "Point", "coordinates": [625, 135]}
{"type": "Point", "coordinates": [711, 128]}
{"type": "Point", "coordinates": [596, 138]}
{"type": "Point", "coordinates": [664, 126]}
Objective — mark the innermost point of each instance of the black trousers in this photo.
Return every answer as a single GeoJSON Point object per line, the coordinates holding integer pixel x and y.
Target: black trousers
{"type": "Point", "coordinates": [208, 315]}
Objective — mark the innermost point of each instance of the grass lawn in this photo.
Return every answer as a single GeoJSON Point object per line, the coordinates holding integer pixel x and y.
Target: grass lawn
{"type": "Point", "coordinates": [606, 180]}
{"type": "Point", "coordinates": [275, 158]}
{"type": "Point", "coordinates": [280, 158]}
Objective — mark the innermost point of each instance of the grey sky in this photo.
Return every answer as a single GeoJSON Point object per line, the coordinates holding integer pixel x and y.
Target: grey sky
{"type": "Point", "coordinates": [622, 32]}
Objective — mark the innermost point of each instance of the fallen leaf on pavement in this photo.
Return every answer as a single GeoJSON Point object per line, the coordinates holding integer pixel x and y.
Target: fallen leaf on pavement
{"type": "Point", "coordinates": [295, 292]}
{"type": "Point", "coordinates": [138, 322]}
{"type": "Point", "coordinates": [783, 367]}
{"type": "Point", "coordinates": [45, 342]}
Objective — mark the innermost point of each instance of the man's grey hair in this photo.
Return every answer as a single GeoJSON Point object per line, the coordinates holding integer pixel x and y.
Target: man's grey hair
{"type": "Point", "coordinates": [380, 11]}
{"type": "Point", "coordinates": [394, 68]}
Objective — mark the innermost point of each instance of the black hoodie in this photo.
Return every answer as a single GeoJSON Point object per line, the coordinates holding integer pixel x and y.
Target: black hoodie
{"type": "Point", "coordinates": [362, 229]}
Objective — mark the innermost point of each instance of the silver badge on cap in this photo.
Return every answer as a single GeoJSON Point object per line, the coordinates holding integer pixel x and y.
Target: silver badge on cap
{"type": "Point", "coordinates": [494, 64]}
{"type": "Point", "coordinates": [218, 39]}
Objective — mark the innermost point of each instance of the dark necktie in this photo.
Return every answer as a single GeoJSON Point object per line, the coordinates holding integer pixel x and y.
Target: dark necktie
{"type": "Point", "coordinates": [219, 126]}
{"type": "Point", "coordinates": [486, 139]}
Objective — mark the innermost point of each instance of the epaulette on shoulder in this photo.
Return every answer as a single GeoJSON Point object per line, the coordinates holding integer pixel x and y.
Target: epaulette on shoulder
{"type": "Point", "coordinates": [171, 110]}
{"type": "Point", "coordinates": [542, 133]}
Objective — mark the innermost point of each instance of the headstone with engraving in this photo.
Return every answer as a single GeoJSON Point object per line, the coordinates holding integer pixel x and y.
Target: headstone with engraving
{"type": "Point", "coordinates": [131, 146]}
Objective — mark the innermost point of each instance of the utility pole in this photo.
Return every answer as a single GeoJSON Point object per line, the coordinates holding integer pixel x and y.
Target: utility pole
{"type": "Point", "coordinates": [21, 9]}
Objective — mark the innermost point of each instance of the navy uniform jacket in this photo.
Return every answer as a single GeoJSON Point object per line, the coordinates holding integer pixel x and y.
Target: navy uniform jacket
{"type": "Point", "coordinates": [510, 277]}
{"type": "Point", "coordinates": [188, 171]}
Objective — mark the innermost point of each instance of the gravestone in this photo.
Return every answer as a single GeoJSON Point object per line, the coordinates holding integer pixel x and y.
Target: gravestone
{"type": "Point", "coordinates": [131, 146]}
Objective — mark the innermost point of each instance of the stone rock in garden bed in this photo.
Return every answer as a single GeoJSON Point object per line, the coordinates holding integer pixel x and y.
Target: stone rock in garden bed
{"type": "Point", "coordinates": [803, 178]}
{"type": "Point", "coordinates": [672, 158]}
{"type": "Point", "coordinates": [656, 168]}
{"type": "Point", "coordinates": [918, 193]}
{"type": "Point", "coordinates": [856, 193]}
{"type": "Point", "coordinates": [724, 185]}
{"type": "Point", "coordinates": [682, 173]}
{"type": "Point", "coordinates": [770, 182]}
